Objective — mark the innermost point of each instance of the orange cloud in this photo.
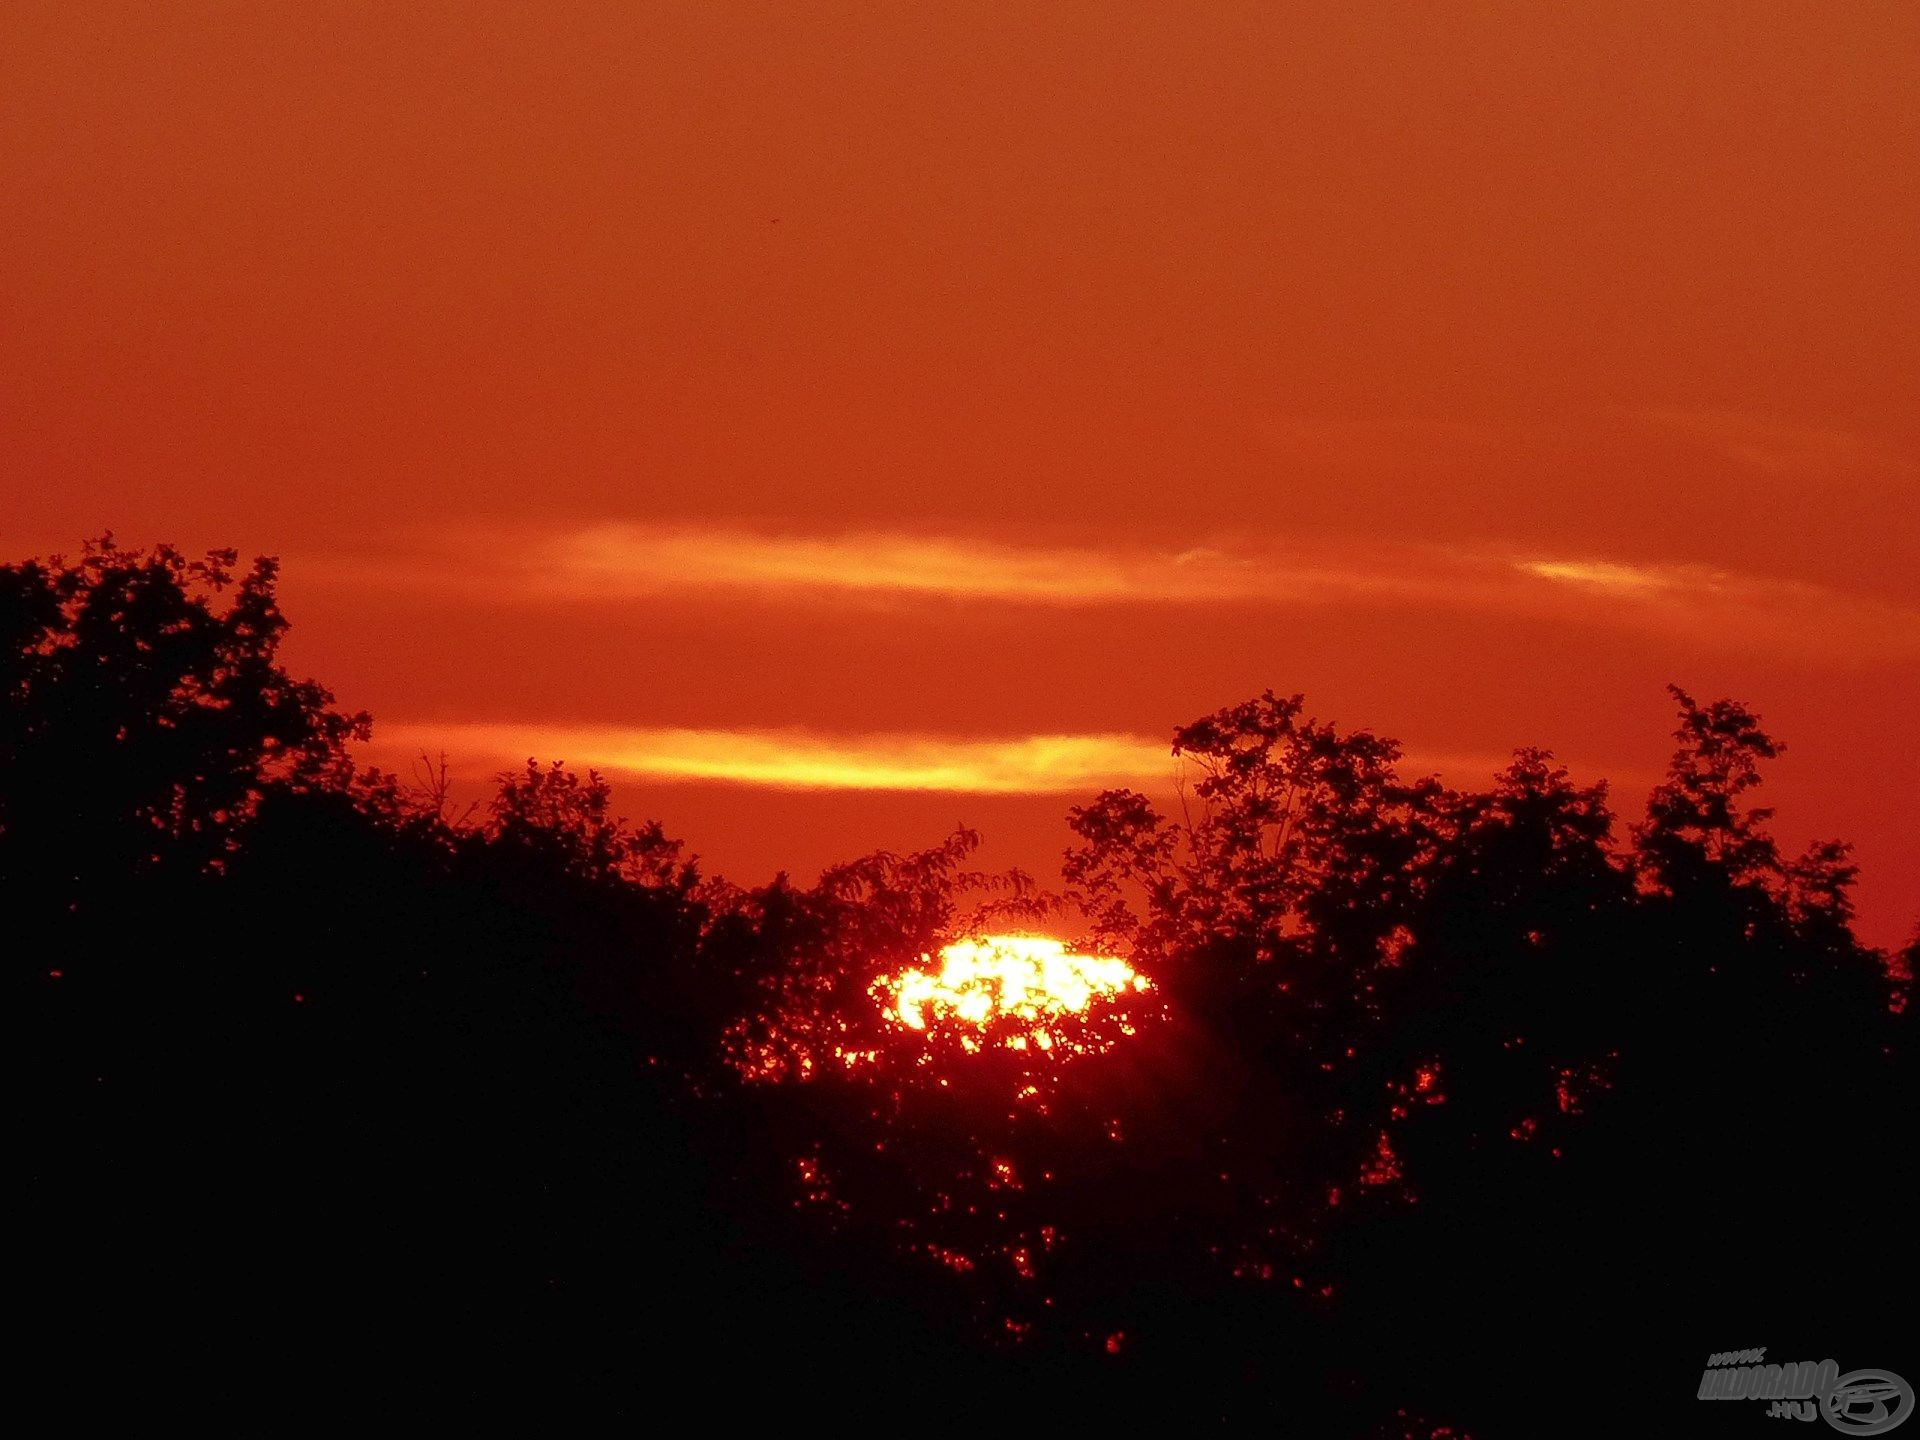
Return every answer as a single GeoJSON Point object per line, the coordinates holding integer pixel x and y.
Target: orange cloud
{"type": "Point", "coordinates": [795, 759]}
{"type": "Point", "coordinates": [1710, 603]}
{"type": "Point", "coordinates": [633, 563]}
{"type": "Point", "coordinates": [803, 760]}
{"type": "Point", "coordinates": [608, 561]}
{"type": "Point", "coordinates": [1782, 447]}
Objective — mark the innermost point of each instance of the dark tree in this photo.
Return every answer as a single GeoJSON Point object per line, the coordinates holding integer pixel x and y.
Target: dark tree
{"type": "Point", "coordinates": [326, 1064]}
{"type": "Point", "coordinates": [143, 713]}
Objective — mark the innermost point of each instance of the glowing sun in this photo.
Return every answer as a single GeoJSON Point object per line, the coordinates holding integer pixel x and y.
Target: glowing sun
{"type": "Point", "coordinates": [1019, 991]}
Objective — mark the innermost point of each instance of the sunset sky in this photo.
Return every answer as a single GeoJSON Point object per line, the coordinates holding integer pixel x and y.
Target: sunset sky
{"type": "Point", "coordinates": [842, 421]}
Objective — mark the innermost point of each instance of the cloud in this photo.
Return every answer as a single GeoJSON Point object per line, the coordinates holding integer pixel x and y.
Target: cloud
{"type": "Point", "coordinates": [804, 760]}
{"type": "Point", "coordinates": [796, 759]}
{"type": "Point", "coordinates": [616, 561]}
{"type": "Point", "coordinates": [1712, 604]}
{"type": "Point", "coordinates": [628, 563]}
{"type": "Point", "coordinates": [1602, 576]}
{"type": "Point", "coordinates": [634, 562]}
{"type": "Point", "coordinates": [1783, 447]}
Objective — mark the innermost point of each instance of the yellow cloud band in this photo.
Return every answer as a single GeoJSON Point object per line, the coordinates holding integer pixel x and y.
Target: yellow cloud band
{"type": "Point", "coordinates": [799, 760]}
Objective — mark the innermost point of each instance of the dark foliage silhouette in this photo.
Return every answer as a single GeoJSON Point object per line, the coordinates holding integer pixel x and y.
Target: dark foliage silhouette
{"type": "Point", "coordinates": [1441, 1102]}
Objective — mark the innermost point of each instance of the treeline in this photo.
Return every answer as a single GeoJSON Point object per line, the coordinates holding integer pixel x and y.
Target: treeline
{"type": "Point", "coordinates": [1448, 1100]}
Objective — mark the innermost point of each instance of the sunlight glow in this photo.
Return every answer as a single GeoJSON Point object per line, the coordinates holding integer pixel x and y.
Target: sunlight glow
{"type": "Point", "coordinates": [1010, 990]}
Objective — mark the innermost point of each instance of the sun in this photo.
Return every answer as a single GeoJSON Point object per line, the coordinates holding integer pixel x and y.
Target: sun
{"type": "Point", "coordinates": [1019, 992]}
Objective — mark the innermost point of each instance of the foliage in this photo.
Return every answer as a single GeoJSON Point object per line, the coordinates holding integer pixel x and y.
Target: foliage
{"type": "Point", "coordinates": [523, 1066]}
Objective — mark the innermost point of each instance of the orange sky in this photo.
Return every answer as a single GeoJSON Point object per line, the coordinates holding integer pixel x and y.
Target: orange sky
{"type": "Point", "coordinates": [933, 405]}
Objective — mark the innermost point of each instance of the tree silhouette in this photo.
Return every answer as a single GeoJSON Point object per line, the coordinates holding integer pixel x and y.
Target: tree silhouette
{"type": "Point", "coordinates": [554, 817]}
{"type": "Point", "coordinates": [140, 720]}
{"type": "Point", "coordinates": [1425, 1075]}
